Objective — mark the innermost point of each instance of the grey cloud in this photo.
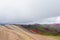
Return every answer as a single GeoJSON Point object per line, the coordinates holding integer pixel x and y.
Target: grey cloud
{"type": "Point", "coordinates": [25, 11]}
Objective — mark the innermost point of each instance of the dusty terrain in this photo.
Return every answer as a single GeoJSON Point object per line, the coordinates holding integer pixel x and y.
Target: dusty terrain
{"type": "Point", "coordinates": [12, 32]}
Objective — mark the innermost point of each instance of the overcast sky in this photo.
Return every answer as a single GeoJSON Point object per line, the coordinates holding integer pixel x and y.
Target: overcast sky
{"type": "Point", "coordinates": [25, 11]}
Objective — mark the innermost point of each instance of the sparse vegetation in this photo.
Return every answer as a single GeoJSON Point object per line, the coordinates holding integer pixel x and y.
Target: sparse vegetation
{"type": "Point", "coordinates": [45, 30]}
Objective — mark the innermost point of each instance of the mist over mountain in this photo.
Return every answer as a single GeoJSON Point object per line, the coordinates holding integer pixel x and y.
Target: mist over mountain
{"type": "Point", "coordinates": [53, 20]}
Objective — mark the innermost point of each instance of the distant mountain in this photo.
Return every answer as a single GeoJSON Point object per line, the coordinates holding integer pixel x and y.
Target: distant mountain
{"type": "Point", "coordinates": [55, 25]}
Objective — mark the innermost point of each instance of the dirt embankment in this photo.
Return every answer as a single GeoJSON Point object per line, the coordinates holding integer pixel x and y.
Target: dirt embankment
{"type": "Point", "coordinates": [12, 32]}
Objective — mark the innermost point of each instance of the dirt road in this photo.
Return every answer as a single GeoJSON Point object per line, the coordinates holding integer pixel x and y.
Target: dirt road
{"type": "Point", "coordinates": [12, 32]}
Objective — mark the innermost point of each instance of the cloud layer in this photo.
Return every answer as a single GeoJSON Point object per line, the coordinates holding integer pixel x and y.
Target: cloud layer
{"type": "Point", "coordinates": [25, 11]}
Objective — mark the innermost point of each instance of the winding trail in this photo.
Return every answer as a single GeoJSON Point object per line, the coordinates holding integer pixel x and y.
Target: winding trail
{"type": "Point", "coordinates": [12, 32]}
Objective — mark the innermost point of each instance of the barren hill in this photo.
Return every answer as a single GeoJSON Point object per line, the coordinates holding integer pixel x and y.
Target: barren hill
{"type": "Point", "coordinates": [12, 32]}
